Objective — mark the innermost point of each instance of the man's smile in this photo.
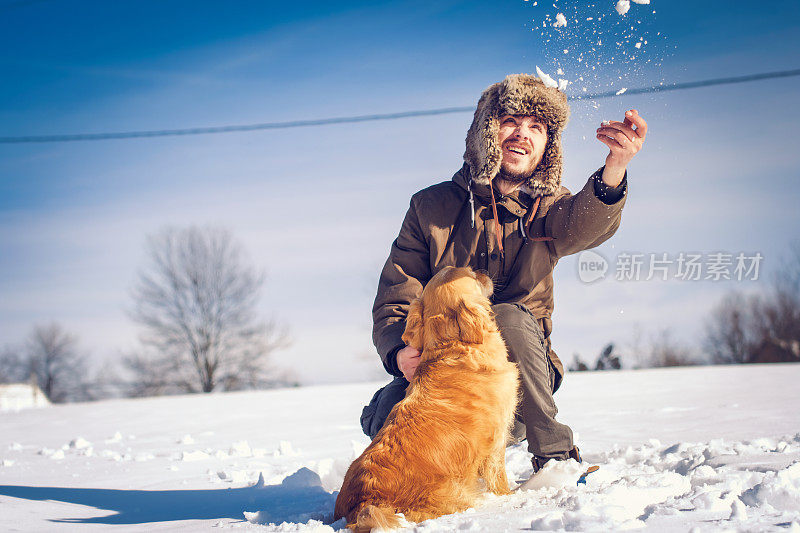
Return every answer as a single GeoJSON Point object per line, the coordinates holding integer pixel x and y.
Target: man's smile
{"type": "Point", "coordinates": [517, 149]}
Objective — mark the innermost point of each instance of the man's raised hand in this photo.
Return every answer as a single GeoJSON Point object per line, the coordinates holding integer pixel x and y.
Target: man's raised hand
{"type": "Point", "coordinates": [624, 140]}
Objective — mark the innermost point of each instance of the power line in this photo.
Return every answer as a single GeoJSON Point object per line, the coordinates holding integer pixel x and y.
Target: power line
{"type": "Point", "coordinates": [232, 128]}
{"type": "Point", "coordinates": [375, 117]}
{"type": "Point", "coordinates": [692, 84]}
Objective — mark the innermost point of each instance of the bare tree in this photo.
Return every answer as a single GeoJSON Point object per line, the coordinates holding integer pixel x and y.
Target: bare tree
{"type": "Point", "coordinates": [196, 301]}
{"type": "Point", "coordinates": [729, 330]}
{"type": "Point", "coordinates": [763, 328]}
{"type": "Point", "coordinates": [776, 321]}
{"type": "Point", "coordinates": [14, 368]}
{"type": "Point", "coordinates": [666, 351]}
{"type": "Point", "coordinates": [148, 376]}
{"type": "Point", "coordinates": [54, 360]}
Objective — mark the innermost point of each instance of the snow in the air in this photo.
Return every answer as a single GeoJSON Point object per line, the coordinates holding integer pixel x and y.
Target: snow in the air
{"type": "Point", "coordinates": [701, 449]}
{"type": "Point", "coordinates": [547, 79]}
{"type": "Point", "coordinates": [599, 44]}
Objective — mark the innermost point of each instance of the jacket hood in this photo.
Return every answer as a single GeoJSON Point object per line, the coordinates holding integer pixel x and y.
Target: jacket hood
{"type": "Point", "coordinates": [517, 94]}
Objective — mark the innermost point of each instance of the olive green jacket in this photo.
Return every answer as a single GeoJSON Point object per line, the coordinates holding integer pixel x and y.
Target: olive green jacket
{"type": "Point", "coordinates": [441, 228]}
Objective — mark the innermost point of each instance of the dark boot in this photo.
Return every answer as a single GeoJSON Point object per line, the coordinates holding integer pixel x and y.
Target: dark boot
{"type": "Point", "coordinates": [539, 462]}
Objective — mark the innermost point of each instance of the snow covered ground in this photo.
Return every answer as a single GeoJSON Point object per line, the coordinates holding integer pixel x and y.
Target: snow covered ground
{"type": "Point", "coordinates": [701, 449]}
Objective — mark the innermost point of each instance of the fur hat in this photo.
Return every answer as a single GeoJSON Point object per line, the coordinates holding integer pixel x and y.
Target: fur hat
{"type": "Point", "coordinates": [517, 94]}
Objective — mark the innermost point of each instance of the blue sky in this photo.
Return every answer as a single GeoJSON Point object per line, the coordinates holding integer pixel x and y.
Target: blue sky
{"type": "Point", "coordinates": [718, 173]}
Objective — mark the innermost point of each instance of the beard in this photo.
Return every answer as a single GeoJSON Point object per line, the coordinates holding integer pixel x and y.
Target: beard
{"type": "Point", "coordinates": [515, 177]}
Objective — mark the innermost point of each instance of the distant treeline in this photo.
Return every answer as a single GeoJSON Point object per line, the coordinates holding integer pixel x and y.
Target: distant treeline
{"type": "Point", "coordinates": [741, 329]}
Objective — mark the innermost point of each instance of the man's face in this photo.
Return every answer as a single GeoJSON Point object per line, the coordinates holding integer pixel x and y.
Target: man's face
{"type": "Point", "coordinates": [522, 140]}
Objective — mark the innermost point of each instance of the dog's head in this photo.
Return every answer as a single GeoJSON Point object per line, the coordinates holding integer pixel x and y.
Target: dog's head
{"type": "Point", "coordinates": [454, 306]}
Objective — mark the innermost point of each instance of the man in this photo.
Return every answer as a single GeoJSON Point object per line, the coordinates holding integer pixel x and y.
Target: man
{"type": "Point", "coordinates": [506, 212]}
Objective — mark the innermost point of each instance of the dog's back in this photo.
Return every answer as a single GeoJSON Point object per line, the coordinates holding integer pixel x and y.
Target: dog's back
{"type": "Point", "coordinates": [452, 426]}
{"type": "Point", "coordinates": [437, 442]}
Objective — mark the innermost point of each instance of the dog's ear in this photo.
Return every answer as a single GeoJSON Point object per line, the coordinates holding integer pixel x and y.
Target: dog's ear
{"type": "Point", "coordinates": [441, 328]}
{"type": "Point", "coordinates": [474, 320]}
{"type": "Point", "coordinates": [413, 335]}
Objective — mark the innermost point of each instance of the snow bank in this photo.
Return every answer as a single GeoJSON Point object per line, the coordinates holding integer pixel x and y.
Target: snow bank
{"type": "Point", "coordinates": [299, 498]}
{"type": "Point", "coordinates": [19, 396]}
{"type": "Point", "coordinates": [677, 448]}
{"type": "Point", "coordinates": [780, 490]}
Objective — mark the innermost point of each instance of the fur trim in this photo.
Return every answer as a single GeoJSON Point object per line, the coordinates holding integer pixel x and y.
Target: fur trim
{"type": "Point", "coordinates": [517, 94]}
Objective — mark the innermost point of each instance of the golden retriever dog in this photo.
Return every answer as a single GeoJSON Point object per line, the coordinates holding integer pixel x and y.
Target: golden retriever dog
{"type": "Point", "coordinates": [450, 430]}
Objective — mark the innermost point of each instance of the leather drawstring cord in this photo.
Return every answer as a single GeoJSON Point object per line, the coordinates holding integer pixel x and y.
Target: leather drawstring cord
{"type": "Point", "coordinates": [533, 210]}
{"type": "Point", "coordinates": [523, 223]}
{"type": "Point", "coordinates": [497, 231]}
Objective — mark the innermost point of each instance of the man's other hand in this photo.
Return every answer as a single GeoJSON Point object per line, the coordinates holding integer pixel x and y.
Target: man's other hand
{"type": "Point", "coordinates": [408, 361]}
{"type": "Point", "coordinates": [624, 140]}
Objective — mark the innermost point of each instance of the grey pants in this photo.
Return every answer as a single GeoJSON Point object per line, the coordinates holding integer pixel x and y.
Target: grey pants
{"type": "Point", "coordinates": [537, 410]}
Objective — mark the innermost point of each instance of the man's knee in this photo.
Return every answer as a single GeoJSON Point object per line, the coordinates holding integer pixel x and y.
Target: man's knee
{"type": "Point", "coordinates": [374, 415]}
{"type": "Point", "coordinates": [512, 318]}
{"type": "Point", "coordinates": [511, 315]}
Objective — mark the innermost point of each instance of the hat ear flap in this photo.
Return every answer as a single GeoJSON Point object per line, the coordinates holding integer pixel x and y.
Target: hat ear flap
{"type": "Point", "coordinates": [414, 335]}
{"type": "Point", "coordinates": [483, 153]}
{"type": "Point", "coordinates": [547, 178]}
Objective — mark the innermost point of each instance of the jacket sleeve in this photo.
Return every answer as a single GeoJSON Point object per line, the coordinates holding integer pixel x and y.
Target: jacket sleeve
{"type": "Point", "coordinates": [587, 219]}
{"type": "Point", "coordinates": [406, 271]}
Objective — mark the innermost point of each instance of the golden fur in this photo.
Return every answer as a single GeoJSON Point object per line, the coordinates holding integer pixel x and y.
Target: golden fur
{"type": "Point", "coordinates": [450, 430]}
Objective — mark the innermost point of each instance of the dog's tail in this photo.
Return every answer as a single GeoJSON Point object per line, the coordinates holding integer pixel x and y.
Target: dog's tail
{"type": "Point", "coordinates": [372, 516]}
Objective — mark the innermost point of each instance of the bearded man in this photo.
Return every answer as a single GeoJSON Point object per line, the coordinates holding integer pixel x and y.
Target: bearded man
{"type": "Point", "coordinates": [505, 212]}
